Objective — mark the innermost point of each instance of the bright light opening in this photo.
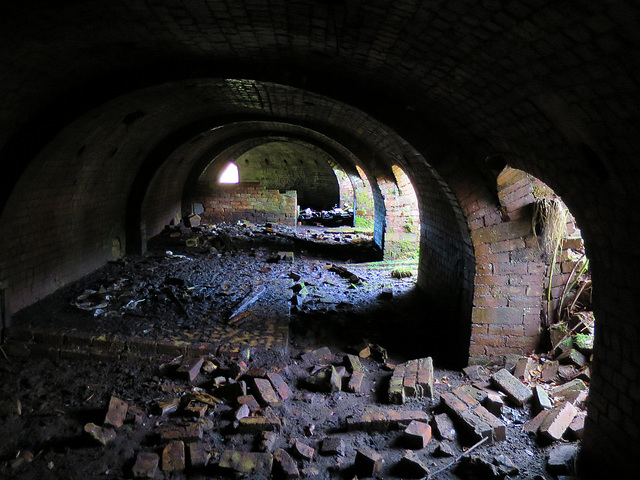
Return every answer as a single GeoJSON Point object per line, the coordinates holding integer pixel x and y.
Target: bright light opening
{"type": "Point", "coordinates": [230, 174]}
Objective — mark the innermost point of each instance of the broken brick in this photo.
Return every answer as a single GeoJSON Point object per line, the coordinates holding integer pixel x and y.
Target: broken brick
{"type": "Point", "coordinates": [259, 424]}
{"type": "Point", "coordinates": [541, 400]}
{"type": "Point", "coordinates": [569, 391]}
{"type": "Point", "coordinates": [304, 450]}
{"type": "Point", "coordinates": [417, 435]}
{"type": "Point", "coordinates": [280, 385]}
{"type": "Point", "coordinates": [195, 409]}
{"type": "Point", "coordinates": [549, 372]}
{"type": "Point", "coordinates": [574, 357]}
{"type": "Point", "coordinates": [385, 420]}
{"type": "Point", "coordinates": [198, 455]}
{"type": "Point", "coordinates": [368, 462]}
{"type": "Point", "coordinates": [576, 428]}
{"type": "Point", "coordinates": [146, 465]}
{"type": "Point", "coordinates": [188, 432]}
{"type": "Point", "coordinates": [242, 412]}
{"type": "Point", "coordinates": [287, 464]}
{"type": "Point", "coordinates": [477, 420]}
{"type": "Point", "coordinates": [169, 406]}
{"type": "Point", "coordinates": [558, 420]}
{"type": "Point", "coordinates": [190, 368]}
{"type": "Point", "coordinates": [332, 446]}
{"type": "Point", "coordinates": [516, 391]}
{"type": "Point", "coordinates": [533, 425]}
{"type": "Point", "coordinates": [353, 363]}
{"type": "Point", "coordinates": [173, 457]}
{"type": "Point", "coordinates": [410, 466]}
{"type": "Point", "coordinates": [100, 434]}
{"type": "Point", "coordinates": [522, 370]}
{"type": "Point", "coordinates": [355, 382]}
{"type": "Point", "coordinates": [250, 401]}
{"type": "Point", "coordinates": [265, 393]}
{"type": "Point", "coordinates": [335, 380]}
{"type": "Point", "coordinates": [443, 427]}
{"type": "Point", "coordinates": [318, 356]}
{"type": "Point", "coordinates": [258, 464]}
{"type": "Point", "coordinates": [494, 403]}
{"type": "Point", "coordinates": [116, 413]}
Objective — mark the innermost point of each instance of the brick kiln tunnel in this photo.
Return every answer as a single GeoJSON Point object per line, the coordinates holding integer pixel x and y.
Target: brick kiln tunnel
{"type": "Point", "coordinates": [116, 115]}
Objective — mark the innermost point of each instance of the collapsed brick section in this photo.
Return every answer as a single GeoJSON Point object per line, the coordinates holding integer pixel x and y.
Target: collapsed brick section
{"type": "Point", "coordinates": [411, 379]}
{"type": "Point", "coordinates": [512, 271]}
{"type": "Point", "coordinates": [249, 201]}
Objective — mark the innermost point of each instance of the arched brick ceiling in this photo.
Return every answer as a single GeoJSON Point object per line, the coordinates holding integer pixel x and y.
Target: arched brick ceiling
{"type": "Point", "coordinates": [550, 86]}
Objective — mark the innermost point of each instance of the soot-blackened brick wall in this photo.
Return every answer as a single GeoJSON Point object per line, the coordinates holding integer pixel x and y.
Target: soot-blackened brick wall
{"type": "Point", "coordinates": [251, 202]}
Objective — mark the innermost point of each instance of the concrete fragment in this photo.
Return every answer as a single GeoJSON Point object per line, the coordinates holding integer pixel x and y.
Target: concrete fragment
{"type": "Point", "coordinates": [173, 457]}
{"type": "Point", "coordinates": [190, 368]}
{"type": "Point", "coordinates": [146, 465]}
{"type": "Point", "coordinates": [417, 435]}
{"type": "Point", "coordinates": [516, 391]}
{"type": "Point", "coordinates": [265, 394]}
{"type": "Point", "coordinates": [280, 385]}
{"type": "Point", "coordinates": [566, 373]}
{"type": "Point", "coordinates": [554, 425]}
{"type": "Point", "coordinates": [443, 427]}
{"type": "Point", "coordinates": [332, 446]}
{"type": "Point", "coordinates": [368, 462]}
{"type": "Point", "coordinates": [384, 420]}
{"type": "Point", "coordinates": [561, 458]}
{"type": "Point", "coordinates": [410, 466]}
{"type": "Point", "coordinates": [321, 355]}
{"type": "Point", "coordinates": [569, 391]}
{"type": "Point", "coordinates": [100, 434]}
{"type": "Point", "coordinates": [247, 462]}
{"type": "Point", "coordinates": [505, 466]}
{"type": "Point", "coordinates": [355, 382]}
{"type": "Point", "coordinates": [117, 412]}
{"type": "Point", "coordinates": [303, 450]}
{"type": "Point", "coordinates": [198, 455]}
{"type": "Point", "coordinates": [287, 465]}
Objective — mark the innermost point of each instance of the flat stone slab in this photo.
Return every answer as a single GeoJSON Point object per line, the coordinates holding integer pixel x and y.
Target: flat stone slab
{"type": "Point", "coordinates": [516, 391]}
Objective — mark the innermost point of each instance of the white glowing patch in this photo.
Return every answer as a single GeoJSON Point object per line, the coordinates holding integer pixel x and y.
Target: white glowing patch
{"type": "Point", "coordinates": [230, 174]}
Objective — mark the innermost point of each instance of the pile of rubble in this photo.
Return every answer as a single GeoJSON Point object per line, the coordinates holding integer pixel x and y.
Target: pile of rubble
{"type": "Point", "coordinates": [354, 415]}
{"type": "Point", "coordinates": [327, 218]}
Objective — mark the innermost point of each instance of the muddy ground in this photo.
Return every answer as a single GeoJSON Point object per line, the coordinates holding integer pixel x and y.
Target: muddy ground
{"type": "Point", "coordinates": [196, 293]}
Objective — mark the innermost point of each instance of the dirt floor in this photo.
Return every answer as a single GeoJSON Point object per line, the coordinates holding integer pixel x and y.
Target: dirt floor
{"type": "Point", "coordinates": [237, 289]}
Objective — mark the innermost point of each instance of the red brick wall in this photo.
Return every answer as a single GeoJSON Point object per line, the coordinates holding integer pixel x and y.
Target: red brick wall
{"type": "Point", "coordinates": [249, 201]}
